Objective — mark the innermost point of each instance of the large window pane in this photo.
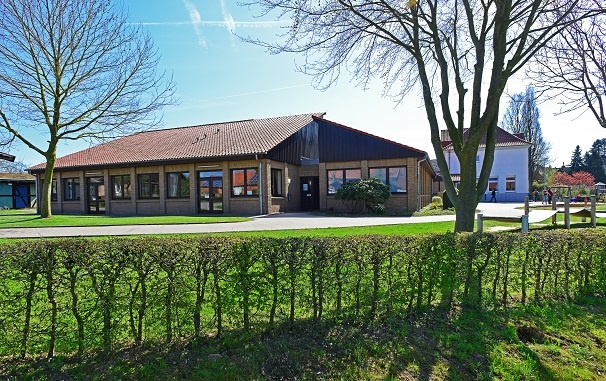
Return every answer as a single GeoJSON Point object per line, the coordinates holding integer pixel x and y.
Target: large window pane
{"type": "Point", "coordinates": [252, 182]}
{"type": "Point", "coordinates": [378, 173]}
{"type": "Point", "coordinates": [178, 184]}
{"type": "Point", "coordinates": [244, 182]}
{"type": "Point", "coordinates": [397, 180]}
{"type": "Point", "coordinates": [121, 188]}
{"type": "Point", "coordinates": [53, 190]}
{"type": "Point", "coordinates": [394, 177]}
{"type": "Point", "coordinates": [149, 185]}
{"type": "Point", "coordinates": [335, 180]}
{"type": "Point", "coordinates": [276, 182]}
{"type": "Point", "coordinates": [510, 184]}
{"type": "Point", "coordinates": [353, 174]}
{"type": "Point", "coordinates": [71, 189]}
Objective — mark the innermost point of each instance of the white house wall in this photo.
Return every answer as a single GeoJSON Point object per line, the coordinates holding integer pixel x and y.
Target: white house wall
{"type": "Point", "coordinates": [508, 161]}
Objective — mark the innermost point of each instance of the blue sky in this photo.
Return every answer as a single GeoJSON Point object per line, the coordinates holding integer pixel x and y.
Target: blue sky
{"type": "Point", "coordinates": [219, 78]}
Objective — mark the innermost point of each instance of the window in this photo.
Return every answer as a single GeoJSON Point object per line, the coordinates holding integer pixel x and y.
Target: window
{"type": "Point", "coordinates": [121, 188]}
{"type": "Point", "coordinates": [337, 177]}
{"type": "Point", "coordinates": [510, 184]}
{"type": "Point", "coordinates": [53, 190]}
{"type": "Point", "coordinates": [394, 177]}
{"type": "Point", "coordinates": [178, 184]}
{"type": "Point", "coordinates": [493, 184]}
{"type": "Point", "coordinates": [149, 185]}
{"type": "Point", "coordinates": [71, 189]}
{"type": "Point", "coordinates": [276, 182]}
{"type": "Point", "coordinates": [244, 182]}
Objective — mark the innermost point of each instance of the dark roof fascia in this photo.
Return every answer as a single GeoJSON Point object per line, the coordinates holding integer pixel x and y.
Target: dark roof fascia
{"type": "Point", "coordinates": [7, 157]}
{"type": "Point", "coordinates": [152, 162]}
{"type": "Point", "coordinates": [420, 152]}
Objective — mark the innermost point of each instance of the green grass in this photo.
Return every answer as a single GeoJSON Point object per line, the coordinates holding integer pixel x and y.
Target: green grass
{"type": "Point", "coordinates": [458, 344]}
{"type": "Point", "coordinates": [27, 219]}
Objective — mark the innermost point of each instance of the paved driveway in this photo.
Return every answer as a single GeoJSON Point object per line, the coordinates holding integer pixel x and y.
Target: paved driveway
{"type": "Point", "coordinates": [285, 221]}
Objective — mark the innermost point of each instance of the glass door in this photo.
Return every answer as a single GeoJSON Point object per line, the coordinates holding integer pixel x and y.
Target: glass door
{"type": "Point", "coordinates": [96, 195]}
{"type": "Point", "coordinates": [210, 192]}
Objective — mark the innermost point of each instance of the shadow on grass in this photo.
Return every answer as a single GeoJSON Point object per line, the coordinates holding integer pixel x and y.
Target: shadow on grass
{"type": "Point", "coordinates": [433, 344]}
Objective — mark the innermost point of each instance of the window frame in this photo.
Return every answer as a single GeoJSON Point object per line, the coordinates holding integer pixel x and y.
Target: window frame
{"type": "Point", "coordinates": [246, 184]}
{"type": "Point", "coordinates": [54, 194]}
{"type": "Point", "coordinates": [509, 180]}
{"type": "Point", "coordinates": [149, 187]}
{"type": "Point", "coordinates": [180, 188]}
{"type": "Point", "coordinates": [493, 180]}
{"type": "Point", "coordinates": [277, 184]}
{"type": "Point", "coordinates": [113, 184]}
{"type": "Point", "coordinates": [343, 177]}
{"type": "Point", "coordinates": [66, 186]}
{"type": "Point", "coordinates": [387, 182]}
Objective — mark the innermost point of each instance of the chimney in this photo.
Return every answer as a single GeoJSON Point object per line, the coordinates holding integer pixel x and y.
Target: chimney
{"type": "Point", "coordinates": [444, 137]}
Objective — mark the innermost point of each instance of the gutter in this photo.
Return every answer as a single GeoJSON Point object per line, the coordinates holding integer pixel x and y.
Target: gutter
{"type": "Point", "coordinates": [419, 183]}
{"type": "Point", "coordinates": [260, 184]}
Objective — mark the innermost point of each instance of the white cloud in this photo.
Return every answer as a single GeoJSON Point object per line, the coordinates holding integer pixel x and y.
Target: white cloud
{"type": "Point", "coordinates": [196, 21]}
{"type": "Point", "coordinates": [228, 19]}
{"type": "Point", "coordinates": [222, 24]}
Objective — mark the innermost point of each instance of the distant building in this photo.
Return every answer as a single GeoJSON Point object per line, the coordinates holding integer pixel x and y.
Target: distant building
{"type": "Point", "coordinates": [509, 174]}
{"type": "Point", "coordinates": [258, 166]}
{"type": "Point", "coordinates": [17, 190]}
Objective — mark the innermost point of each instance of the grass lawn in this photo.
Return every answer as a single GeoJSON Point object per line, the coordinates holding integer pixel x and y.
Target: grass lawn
{"type": "Point", "coordinates": [550, 341]}
{"type": "Point", "coordinates": [28, 219]}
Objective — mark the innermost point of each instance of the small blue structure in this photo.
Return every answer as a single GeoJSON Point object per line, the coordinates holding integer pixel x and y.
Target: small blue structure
{"type": "Point", "coordinates": [17, 190]}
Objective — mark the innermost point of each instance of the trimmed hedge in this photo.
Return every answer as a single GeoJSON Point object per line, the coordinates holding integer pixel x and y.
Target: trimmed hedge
{"type": "Point", "coordinates": [71, 295]}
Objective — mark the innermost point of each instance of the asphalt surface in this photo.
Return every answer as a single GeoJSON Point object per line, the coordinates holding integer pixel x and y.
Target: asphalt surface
{"type": "Point", "coordinates": [284, 221]}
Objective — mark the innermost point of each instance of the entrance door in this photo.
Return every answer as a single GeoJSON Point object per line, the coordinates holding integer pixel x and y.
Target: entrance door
{"type": "Point", "coordinates": [96, 195]}
{"type": "Point", "coordinates": [310, 193]}
{"type": "Point", "coordinates": [210, 192]}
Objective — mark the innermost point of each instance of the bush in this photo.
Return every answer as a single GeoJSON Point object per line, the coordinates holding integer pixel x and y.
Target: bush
{"type": "Point", "coordinates": [436, 200]}
{"type": "Point", "coordinates": [64, 295]}
{"type": "Point", "coordinates": [368, 193]}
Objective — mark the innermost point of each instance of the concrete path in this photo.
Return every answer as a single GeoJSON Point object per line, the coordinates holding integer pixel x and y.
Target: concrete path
{"type": "Point", "coordinates": [286, 221]}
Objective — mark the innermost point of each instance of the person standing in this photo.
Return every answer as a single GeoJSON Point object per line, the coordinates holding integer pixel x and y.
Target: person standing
{"type": "Point", "coordinates": [493, 196]}
{"type": "Point", "coordinates": [549, 195]}
{"type": "Point", "coordinates": [544, 196]}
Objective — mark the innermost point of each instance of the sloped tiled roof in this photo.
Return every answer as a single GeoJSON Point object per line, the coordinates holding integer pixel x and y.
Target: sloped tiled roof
{"type": "Point", "coordinates": [504, 139]}
{"type": "Point", "coordinates": [218, 140]}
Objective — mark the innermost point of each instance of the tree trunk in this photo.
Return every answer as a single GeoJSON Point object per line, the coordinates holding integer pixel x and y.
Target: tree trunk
{"type": "Point", "coordinates": [467, 199]}
{"type": "Point", "coordinates": [45, 195]}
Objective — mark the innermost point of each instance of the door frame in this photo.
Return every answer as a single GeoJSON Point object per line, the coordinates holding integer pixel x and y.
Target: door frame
{"type": "Point", "coordinates": [211, 180]}
{"type": "Point", "coordinates": [95, 202]}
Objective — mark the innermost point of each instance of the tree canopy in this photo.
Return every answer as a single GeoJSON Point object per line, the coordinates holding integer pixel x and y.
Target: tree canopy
{"type": "Point", "coordinates": [522, 116]}
{"type": "Point", "coordinates": [458, 53]}
{"type": "Point", "coordinates": [75, 69]}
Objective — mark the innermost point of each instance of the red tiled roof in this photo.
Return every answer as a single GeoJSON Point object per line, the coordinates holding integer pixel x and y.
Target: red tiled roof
{"type": "Point", "coordinates": [504, 139]}
{"type": "Point", "coordinates": [241, 138]}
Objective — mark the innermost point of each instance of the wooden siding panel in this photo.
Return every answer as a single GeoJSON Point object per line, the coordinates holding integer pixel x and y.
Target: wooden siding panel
{"type": "Point", "coordinates": [302, 144]}
{"type": "Point", "coordinates": [338, 143]}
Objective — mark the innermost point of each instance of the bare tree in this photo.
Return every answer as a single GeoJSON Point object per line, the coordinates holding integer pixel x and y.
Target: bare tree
{"type": "Point", "coordinates": [572, 67]}
{"type": "Point", "coordinates": [75, 69]}
{"type": "Point", "coordinates": [522, 117]}
{"type": "Point", "coordinates": [460, 52]}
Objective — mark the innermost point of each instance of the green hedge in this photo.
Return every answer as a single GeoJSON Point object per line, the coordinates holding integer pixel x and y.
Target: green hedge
{"type": "Point", "coordinates": [76, 294]}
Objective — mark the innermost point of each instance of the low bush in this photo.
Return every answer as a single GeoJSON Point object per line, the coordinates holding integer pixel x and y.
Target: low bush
{"type": "Point", "coordinates": [364, 194]}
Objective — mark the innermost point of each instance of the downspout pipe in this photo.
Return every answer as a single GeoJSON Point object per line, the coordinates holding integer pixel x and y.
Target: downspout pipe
{"type": "Point", "coordinates": [260, 184]}
{"type": "Point", "coordinates": [419, 183]}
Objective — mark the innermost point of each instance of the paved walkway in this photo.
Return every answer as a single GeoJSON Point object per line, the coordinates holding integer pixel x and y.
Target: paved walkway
{"type": "Point", "coordinates": [285, 221]}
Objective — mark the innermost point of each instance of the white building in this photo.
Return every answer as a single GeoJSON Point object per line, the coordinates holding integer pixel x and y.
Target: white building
{"type": "Point", "coordinates": [509, 174]}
